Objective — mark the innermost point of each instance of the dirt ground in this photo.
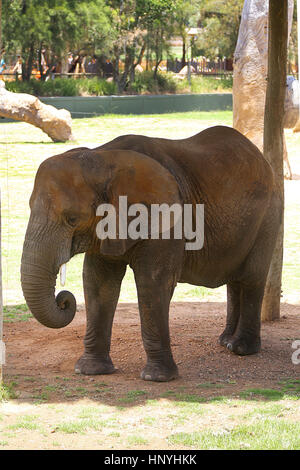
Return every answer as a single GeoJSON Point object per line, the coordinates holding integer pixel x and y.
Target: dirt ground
{"type": "Point", "coordinates": [33, 350]}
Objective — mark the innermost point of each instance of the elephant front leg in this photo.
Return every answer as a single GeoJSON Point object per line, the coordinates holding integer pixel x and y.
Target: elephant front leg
{"type": "Point", "coordinates": [154, 301]}
{"type": "Point", "coordinates": [102, 283]}
{"type": "Point", "coordinates": [155, 286]}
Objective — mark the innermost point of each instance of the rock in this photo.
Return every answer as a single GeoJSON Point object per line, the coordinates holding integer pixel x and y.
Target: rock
{"type": "Point", "coordinates": [185, 70]}
{"type": "Point", "coordinates": [57, 123]}
{"type": "Point", "coordinates": [139, 68]}
{"type": "Point", "coordinates": [291, 105]}
{"type": "Point", "coordinates": [250, 72]}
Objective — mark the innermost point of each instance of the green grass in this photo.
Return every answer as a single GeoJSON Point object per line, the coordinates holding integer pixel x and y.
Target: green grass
{"type": "Point", "coordinates": [132, 396]}
{"type": "Point", "coordinates": [261, 419]}
{"type": "Point", "coordinates": [209, 385]}
{"type": "Point", "coordinates": [25, 422]}
{"type": "Point", "coordinates": [87, 421]}
{"type": "Point", "coordinates": [14, 313]}
{"type": "Point", "coordinates": [272, 394]}
{"type": "Point", "coordinates": [75, 427]}
{"type": "Point", "coordinates": [7, 391]}
{"type": "Point", "coordinates": [136, 440]}
{"type": "Point", "coordinates": [269, 410]}
{"type": "Point", "coordinates": [267, 434]}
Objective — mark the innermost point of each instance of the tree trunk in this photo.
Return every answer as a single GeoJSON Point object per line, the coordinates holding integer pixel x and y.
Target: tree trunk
{"type": "Point", "coordinates": [250, 72]}
{"type": "Point", "coordinates": [274, 139]}
{"type": "Point", "coordinates": [183, 58]}
{"type": "Point", "coordinates": [41, 69]}
{"type": "Point", "coordinates": [27, 65]}
{"type": "Point", "coordinates": [57, 123]}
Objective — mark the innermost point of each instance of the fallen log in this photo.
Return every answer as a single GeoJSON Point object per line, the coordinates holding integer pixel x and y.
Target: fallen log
{"type": "Point", "coordinates": [57, 123]}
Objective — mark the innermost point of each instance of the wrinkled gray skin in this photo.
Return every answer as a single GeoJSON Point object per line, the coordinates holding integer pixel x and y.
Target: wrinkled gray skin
{"type": "Point", "coordinates": [218, 168]}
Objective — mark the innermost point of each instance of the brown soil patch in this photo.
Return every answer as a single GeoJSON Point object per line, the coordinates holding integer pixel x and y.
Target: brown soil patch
{"type": "Point", "coordinates": [34, 351]}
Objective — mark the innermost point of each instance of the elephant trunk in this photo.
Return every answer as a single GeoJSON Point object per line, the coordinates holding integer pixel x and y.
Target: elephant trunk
{"type": "Point", "coordinates": [39, 268]}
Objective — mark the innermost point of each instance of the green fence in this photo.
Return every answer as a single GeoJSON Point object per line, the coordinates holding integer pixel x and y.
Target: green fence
{"type": "Point", "coordinates": [81, 106]}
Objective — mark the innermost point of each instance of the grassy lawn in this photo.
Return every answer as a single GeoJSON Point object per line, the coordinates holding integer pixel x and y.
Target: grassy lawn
{"type": "Point", "coordinates": [71, 415]}
{"type": "Point", "coordinates": [24, 147]}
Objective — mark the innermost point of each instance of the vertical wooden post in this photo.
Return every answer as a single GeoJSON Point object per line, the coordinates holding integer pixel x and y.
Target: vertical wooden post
{"type": "Point", "coordinates": [274, 138]}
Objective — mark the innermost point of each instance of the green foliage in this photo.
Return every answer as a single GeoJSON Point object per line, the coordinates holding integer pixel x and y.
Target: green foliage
{"type": "Point", "coordinates": [97, 87]}
{"type": "Point", "coordinates": [146, 82]}
{"type": "Point", "coordinates": [205, 85]}
{"type": "Point", "coordinates": [219, 23]}
{"type": "Point", "coordinates": [125, 32]}
{"type": "Point", "coordinates": [64, 87]}
{"type": "Point", "coordinates": [30, 25]}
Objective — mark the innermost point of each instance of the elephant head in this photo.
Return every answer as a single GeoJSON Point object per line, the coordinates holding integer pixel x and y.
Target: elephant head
{"type": "Point", "coordinates": [68, 189]}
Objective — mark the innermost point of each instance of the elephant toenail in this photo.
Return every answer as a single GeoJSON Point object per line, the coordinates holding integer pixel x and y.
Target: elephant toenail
{"type": "Point", "coordinates": [229, 346]}
{"type": "Point", "coordinates": [148, 377]}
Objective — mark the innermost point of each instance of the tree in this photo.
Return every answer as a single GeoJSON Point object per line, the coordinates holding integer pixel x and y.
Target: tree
{"type": "Point", "coordinates": [274, 140]}
{"type": "Point", "coordinates": [186, 15]}
{"type": "Point", "coordinates": [56, 25]}
{"type": "Point", "coordinates": [159, 19]}
{"type": "Point", "coordinates": [137, 25]}
{"type": "Point", "coordinates": [25, 25]}
{"type": "Point", "coordinates": [219, 22]}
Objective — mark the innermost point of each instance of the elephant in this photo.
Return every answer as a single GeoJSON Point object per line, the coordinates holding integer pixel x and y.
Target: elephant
{"type": "Point", "coordinates": [218, 168]}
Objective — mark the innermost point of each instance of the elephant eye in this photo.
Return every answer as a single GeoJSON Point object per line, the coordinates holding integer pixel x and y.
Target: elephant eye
{"type": "Point", "coordinates": [71, 220]}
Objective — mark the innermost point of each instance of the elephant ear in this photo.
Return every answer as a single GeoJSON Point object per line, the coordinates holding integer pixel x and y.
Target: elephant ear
{"type": "Point", "coordinates": [135, 183]}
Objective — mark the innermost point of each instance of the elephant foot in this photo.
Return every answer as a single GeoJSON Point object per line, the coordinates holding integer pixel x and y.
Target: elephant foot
{"type": "Point", "coordinates": [244, 346]}
{"type": "Point", "coordinates": [159, 372]}
{"type": "Point", "coordinates": [225, 338]}
{"type": "Point", "coordinates": [89, 365]}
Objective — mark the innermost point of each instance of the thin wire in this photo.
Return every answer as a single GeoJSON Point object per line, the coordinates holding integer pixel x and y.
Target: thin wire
{"type": "Point", "coordinates": [8, 219]}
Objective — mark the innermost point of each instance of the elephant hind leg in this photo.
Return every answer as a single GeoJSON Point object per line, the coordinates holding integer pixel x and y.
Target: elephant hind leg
{"type": "Point", "coordinates": [242, 331]}
{"type": "Point", "coordinates": [233, 312]}
{"type": "Point", "coordinates": [246, 339]}
{"type": "Point", "coordinates": [252, 279]}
